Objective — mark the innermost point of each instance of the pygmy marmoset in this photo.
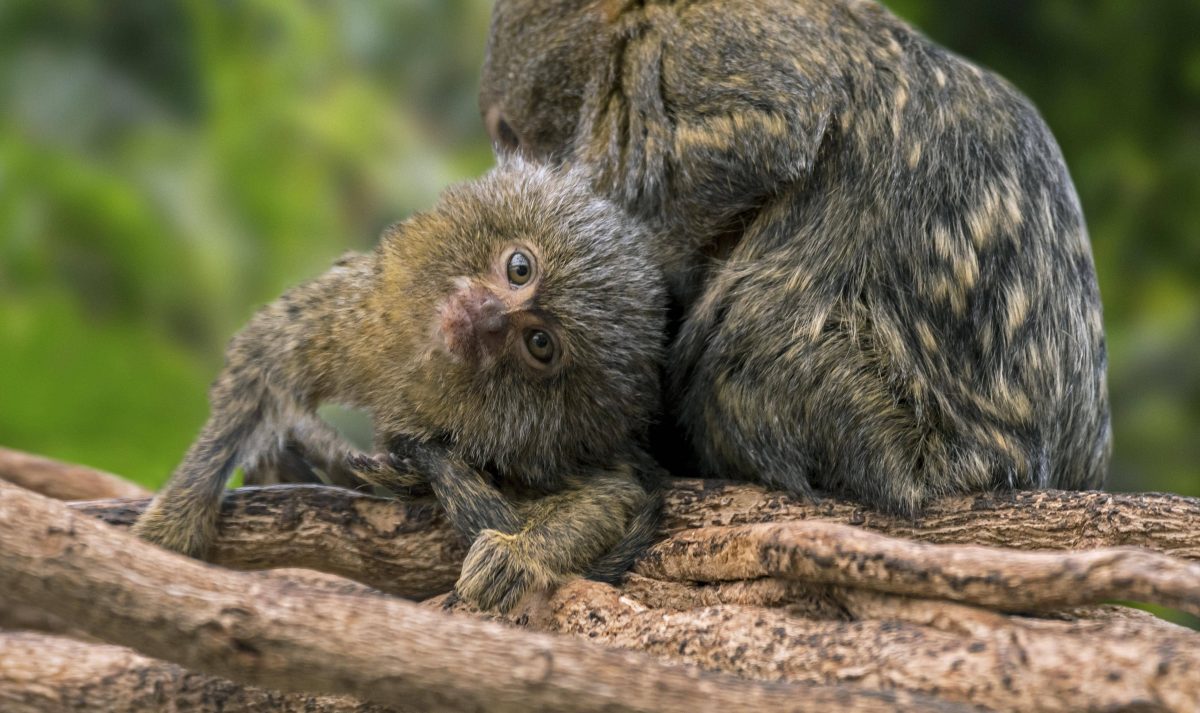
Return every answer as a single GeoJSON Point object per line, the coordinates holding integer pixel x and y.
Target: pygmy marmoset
{"type": "Point", "coordinates": [882, 267]}
{"type": "Point", "coordinates": [508, 345]}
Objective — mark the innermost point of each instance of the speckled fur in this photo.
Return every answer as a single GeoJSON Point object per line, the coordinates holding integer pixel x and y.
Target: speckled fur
{"type": "Point", "coordinates": [884, 275]}
{"type": "Point", "coordinates": [545, 473]}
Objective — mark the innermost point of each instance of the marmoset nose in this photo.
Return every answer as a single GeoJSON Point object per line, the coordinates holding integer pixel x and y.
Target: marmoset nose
{"type": "Point", "coordinates": [489, 316]}
{"type": "Point", "coordinates": [474, 323]}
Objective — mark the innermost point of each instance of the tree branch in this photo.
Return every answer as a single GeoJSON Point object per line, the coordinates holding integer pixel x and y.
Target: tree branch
{"type": "Point", "coordinates": [828, 553]}
{"type": "Point", "coordinates": [1023, 520]}
{"type": "Point", "coordinates": [826, 602]}
{"type": "Point", "coordinates": [63, 481]}
{"type": "Point", "coordinates": [404, 549]}
{"type": "Point", "coordinates": [958, 653]}
{"type": "Point", "coordinates": [49, 674]}
{"type": "Point", "coordinates": [253, 630]}
{"type": "Point", "coordinates": [802, 600]}
{"type": "Point", "coordinates": [356, 536]}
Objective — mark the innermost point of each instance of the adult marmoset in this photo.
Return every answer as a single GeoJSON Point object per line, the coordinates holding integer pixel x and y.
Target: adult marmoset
{"type": "Point", "coordinates": [883, 271]}
{"type": "Point", "coordinates": [508, 345]}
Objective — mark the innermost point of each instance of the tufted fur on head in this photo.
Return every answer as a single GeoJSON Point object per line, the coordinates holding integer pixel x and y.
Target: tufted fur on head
{"type": "Point", "coordinates": [596, 284]}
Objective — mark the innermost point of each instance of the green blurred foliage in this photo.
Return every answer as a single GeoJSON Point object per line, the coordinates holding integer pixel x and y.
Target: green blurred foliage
{"type": "Point", "coordinates": [168, 165]}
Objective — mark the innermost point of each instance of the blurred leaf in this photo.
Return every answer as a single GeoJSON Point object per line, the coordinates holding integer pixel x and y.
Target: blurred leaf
{"type": "Point", "coordinates": [168, 165]}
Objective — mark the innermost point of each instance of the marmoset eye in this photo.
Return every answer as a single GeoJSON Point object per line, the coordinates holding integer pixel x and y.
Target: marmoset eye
{"type": "Point", "coordinates": [540, 345]}
{"type": "Point", "coordinates": [520, 268]}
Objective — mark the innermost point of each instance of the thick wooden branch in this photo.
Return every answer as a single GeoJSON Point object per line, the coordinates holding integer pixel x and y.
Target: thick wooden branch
{"type": "Point", "coordinates": [828, 553]}
{"type": "Point", "coordinates": [255, 631]}
{"type": "Point", "coordinates": [49, 674]}
{"type": "Point", "coordinates": [405, 549]}
{"type": "Point", "coordinates": [1023, 520]}
{"type": "Point", "coordinates": [63, 481]}
{"type": "Point", "coordinates": [21, 617]}
{"type": "Point", "coordinates": [826, 602]}
{"type": "Point", "coordinates": [1043, 520]}
{"type": "Point", "coordinates": [1030, 520]}
{"type": "Point", "coordinates": [1002, 663]}
{"type": "Point", "coordinates": [803, 600]}
{"type": "Point", "coordinates": [357, 536]}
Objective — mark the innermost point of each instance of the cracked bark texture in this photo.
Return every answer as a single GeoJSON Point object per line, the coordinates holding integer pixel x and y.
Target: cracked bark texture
{"type": "Point", "coordinates": [49, 674]}
{"type": "Point", "coordinates": [255, 631]}
{"type": "Point", "coordinates": [410, 550]}
{"type": "Point", "coordinates": [1020, 520]}
{"type": "Point", "coordinates": [828, 553]}
{"type": "Point", "coordinates": [950, 651]}
{"type": "Point", "coordinates": [746, 584]}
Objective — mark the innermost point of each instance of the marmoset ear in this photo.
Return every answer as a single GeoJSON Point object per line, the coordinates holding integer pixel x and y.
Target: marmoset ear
{"type": "Point", "coordinates": [506, 141]}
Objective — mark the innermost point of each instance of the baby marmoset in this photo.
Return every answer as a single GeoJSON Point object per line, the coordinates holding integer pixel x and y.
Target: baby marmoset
{"type": "Point", "coordinates": [508, 345]}
{"type": "Point", "coordinates": [884, 273]}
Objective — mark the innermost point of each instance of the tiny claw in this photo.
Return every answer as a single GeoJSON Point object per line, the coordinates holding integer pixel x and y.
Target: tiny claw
{"type": "Point", "coordinates": [388, 471]}
{"type": "Point", "coordinates": [400, 463]}
{"type": "Point", "coordinates": [362, 463]}
{"type": "Point", "coordinates": [494, 576]}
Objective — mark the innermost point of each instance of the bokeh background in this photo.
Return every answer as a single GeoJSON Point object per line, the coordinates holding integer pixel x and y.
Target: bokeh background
{"type": "Point", "coordinates": [166, 166]}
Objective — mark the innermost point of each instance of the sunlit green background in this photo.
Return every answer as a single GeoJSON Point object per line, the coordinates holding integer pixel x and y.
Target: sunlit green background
{"type": "Point", "coordinates": [168, 165]}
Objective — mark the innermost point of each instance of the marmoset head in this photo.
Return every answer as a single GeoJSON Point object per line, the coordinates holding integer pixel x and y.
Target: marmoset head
{"type": "Point", "coordinates": [542, 58]}
{"type": "Point", "coordinates": [533, 317]}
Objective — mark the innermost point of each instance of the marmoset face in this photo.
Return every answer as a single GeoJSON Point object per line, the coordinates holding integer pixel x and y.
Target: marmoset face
{"type": "Point", "coordinates": [539, 317]}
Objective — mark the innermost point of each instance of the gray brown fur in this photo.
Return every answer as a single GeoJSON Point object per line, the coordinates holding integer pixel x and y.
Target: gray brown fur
{"type": "Point", "coordinates": [883, 271]}
{"type": "Point", "coordinates": [541, 468]}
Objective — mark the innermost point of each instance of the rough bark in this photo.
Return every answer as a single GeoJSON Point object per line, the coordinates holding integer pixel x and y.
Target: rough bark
{"type": "Point", "coordinates": [1121, 662]}
{"type": "Point", "coordinates": [357, 536]}
{"type": "Point", "coordinates": [1021, 520]}
{"type": "Point", "coordinates": [826, 602]}
{"type": "Point", "coordinates": [49, 674]}
{"type": "Point", "coordinates": [404, 549]}
{"type": "Point", "coordinates": [1002, 663]}
{"type": "Point", "coordinates": [828, 553]}
{"type": "Point", "coordinates": [63, 481]}
{"type": "Point", "coordinates": [1027, 520]}
{"type": "Point", "coordinates": [745, 583]}
{"type": "Point", "coordinates": [18, 617]}
{"type": "Point", "coordinates": [255, 631]}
